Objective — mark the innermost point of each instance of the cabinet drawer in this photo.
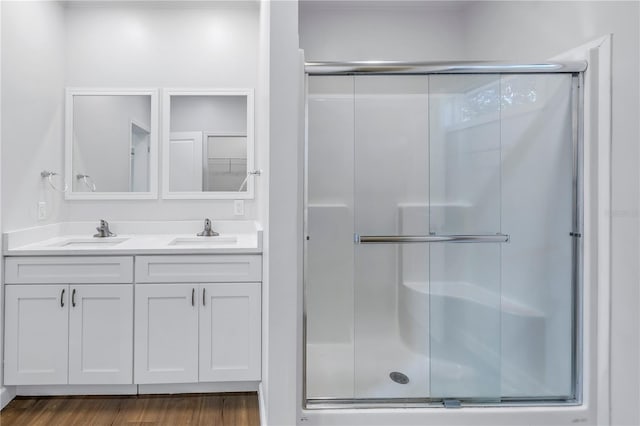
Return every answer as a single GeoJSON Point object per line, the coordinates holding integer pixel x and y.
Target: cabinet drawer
{"type": "Point", "coordinates": [195, 269]}
{"type": "Point", "coordinates": [69, 270]}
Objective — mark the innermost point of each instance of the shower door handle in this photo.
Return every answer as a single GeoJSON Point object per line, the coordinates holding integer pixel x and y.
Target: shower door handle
{"type": "Point", "coordinates": [390, 239]}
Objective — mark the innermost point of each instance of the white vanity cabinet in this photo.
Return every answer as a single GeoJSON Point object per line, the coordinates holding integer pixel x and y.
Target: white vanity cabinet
{"type": "Point", "coordinates": [230, 318]}
{"type": "Point", "coordinates": [68, 320]}
{"type": "Point", "coordinates": [139, 319]}
{"type": "Point", "coordinates": [166, 334]}
{"type": "Point", "coordinates": [101, 334]}
{"type": "Point", "coordinates": [36, 334]}
{"type": "Point", "coordinates": [198, 318]}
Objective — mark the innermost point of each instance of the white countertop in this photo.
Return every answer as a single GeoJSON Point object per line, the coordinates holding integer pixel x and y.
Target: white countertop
{"type": "Point", "coordinates": [134, 238]}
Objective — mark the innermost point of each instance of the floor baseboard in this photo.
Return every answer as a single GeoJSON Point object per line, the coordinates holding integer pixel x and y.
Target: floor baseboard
{"type": "Point", "coordinates": [261, 405]}
{"type": "Point", "coordinates": [6, 396]}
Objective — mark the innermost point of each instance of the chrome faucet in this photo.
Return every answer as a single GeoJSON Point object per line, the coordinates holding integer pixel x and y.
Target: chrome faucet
{"type": "Point", "coordinates": [207, 231]}
{"type": "Point", "coordinates": [103, 230]}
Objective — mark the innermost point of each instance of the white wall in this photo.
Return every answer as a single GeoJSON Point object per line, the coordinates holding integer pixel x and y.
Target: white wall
{"type": "Point", "coordinates": [160, 44]}
{"type": "Point", "coordinates": [122, 44]}
{"type": "Point", "coordinates": [4, 393]}
{"type": "Point", "coordinates": [283, 254]}
{"type": "Point", "coordinates": [97, 44]}
{"type": "Point", "coordinates": [262, 186]}
{"type": "Point", "coordinates": [156, 45]}
{"type": "Point", "coordinates": [33, 113]}
{"type": "Point", "coordinates": [382, 30]}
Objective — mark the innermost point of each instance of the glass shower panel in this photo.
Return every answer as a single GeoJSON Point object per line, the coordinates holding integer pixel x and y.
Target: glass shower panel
{"type": "Point", "coordinates": [537, 211]}
{"type": "Point", "coordinates": [465, 199]}
{"type": "Point", "coordinates": [440, 157]}
{"type": "Point", "coordinates": [391, 193]}
{"type": "Point", "coordinates": [329, 261]}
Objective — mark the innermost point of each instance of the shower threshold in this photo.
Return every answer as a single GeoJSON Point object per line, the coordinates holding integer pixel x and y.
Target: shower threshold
{"type": "Point", "coordinates": [370, 403]}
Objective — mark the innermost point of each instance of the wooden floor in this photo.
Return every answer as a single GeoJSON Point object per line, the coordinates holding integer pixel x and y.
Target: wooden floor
{"type": "Point", "coordinates": [229, 409]}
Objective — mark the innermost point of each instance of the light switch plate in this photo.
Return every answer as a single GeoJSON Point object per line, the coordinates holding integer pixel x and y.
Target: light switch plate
{"type": "Point", "coordinates": [42, 210]}
{"type": "Point", "coordinates": [238, 207]}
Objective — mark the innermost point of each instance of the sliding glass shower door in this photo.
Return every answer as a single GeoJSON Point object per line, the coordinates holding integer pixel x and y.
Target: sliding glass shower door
{"type": "Point", "coordinates": [440, 251]}
{"type": "Point", "coordinates": [464, 285]}
{"type": "Point", "coordinates": [391, 192]}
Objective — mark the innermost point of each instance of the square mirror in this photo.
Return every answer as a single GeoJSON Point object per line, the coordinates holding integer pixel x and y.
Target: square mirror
{"type": "Point", "coordinates": [208, 144]}
{"type": "Point", "coordinates": [111, 144]}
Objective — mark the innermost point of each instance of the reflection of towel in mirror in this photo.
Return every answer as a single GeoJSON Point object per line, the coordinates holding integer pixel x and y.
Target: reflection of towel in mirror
{"type": "Point", "coordinates": [88, 182]}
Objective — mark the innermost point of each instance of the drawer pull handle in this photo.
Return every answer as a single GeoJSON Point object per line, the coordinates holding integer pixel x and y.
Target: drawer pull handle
{"type": "Point", "coordinates": [62, 298]}
{"type": "Point", "coordinates": [203, 303]}
{"type": "Point", "coordinates": [193, 297]}
{"type": "Point", "coordinates": [73, 298]}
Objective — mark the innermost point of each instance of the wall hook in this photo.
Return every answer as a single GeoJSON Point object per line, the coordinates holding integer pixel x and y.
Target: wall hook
{"type": "Point", "coordinates": [249, 173]}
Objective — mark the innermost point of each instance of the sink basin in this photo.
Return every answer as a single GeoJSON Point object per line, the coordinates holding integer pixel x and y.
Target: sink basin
{"type": "Point", "coordinates": [203, 241]}
{"type": "Point", "coordinates": [91, 242]}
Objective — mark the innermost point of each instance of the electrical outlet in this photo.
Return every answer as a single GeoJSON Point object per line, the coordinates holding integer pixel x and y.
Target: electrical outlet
{"type": "Point", "coordinates": [42, 210]}
{"type": "Point", "coordinates": [238, 207]}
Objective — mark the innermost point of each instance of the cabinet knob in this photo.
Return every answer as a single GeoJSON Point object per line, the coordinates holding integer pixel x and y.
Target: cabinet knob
{"type": "Point", "coordinates": [193, 297]}
{"type": "Point", "coordinates": [203, 297]}
{"type": "Point", "coordinates": [73, 298]}
{"type": "Point", "coordinates": [62, 298]}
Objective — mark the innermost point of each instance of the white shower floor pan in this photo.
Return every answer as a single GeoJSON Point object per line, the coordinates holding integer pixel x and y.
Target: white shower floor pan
{"type": "Point", "coordinates": [334, 372]}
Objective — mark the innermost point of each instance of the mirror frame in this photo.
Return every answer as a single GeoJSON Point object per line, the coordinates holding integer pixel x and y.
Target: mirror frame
{"type": "Point", "coordinates": [71, 92]}
{"type": "Point", "coordinates": [166, 134]}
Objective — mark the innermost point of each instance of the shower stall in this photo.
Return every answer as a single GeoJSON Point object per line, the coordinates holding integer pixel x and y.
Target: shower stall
{"type": "Point", "coordinates": [442, 235]}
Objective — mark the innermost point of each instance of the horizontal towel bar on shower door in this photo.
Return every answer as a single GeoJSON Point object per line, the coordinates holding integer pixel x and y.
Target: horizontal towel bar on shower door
{"type": "Point", "coordinates": [376, 239]}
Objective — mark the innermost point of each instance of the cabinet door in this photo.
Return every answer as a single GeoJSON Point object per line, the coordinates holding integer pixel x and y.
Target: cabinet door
{"type": "Point", "coordinates": [166, 333]}
{"type": "Point", "coordinates": [101, 334]}
{"type": "Point", "coordinates": [230, 321]}
{"type": "Point", "coordinates": [36, 334]}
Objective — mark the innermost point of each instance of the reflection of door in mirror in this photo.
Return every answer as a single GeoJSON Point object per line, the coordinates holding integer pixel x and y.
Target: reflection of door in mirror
{"type": "Point", "coordinates": [140, 150]}
{"type": "Point", "coordinates": [225, 168]}
{"type": "Point", "coordinates": [208, 144]}
{"type": "Point", "coordinates": [185, 167]}
{"type": "Point", "coordinates": [105, 129]}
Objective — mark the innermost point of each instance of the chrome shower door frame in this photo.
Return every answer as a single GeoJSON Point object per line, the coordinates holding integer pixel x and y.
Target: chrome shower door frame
{"type": "Point", "coordinates": [577, 110]}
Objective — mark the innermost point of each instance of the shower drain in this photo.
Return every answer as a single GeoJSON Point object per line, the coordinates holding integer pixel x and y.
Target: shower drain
{"type": "Point", "coordinates": [398, 377]}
